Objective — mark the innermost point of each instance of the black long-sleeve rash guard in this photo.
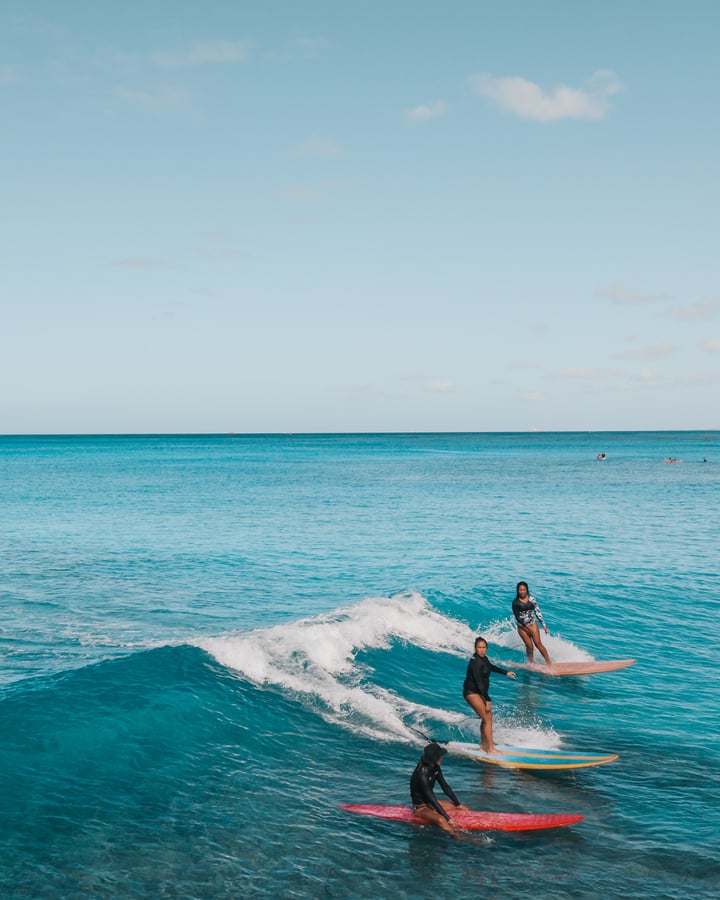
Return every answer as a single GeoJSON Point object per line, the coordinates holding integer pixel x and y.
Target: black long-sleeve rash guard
{"type": "Point", "coordinates": [477, 679]}
{"type": "Point", "coordinates": [422, 782]}
{"type": "Point", "coordinates": [523, 610]}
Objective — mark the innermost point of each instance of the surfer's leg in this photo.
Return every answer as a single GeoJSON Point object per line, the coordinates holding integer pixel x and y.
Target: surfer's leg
{"type": "Point", "coordinates": [483, 708]}
{"type": "Point", "coordinates": [488, 742]}
{"type": "Point", "coordinates": [528, 641]}
{"type": "Point", "coordinates": [539, 644]}
{"type": "Point", "coordinates": [429, 815]}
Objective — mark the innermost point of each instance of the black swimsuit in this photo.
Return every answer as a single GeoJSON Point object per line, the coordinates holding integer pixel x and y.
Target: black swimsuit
{"type": "Point", "coordinates": [477, 679]}
{"type": "Point", "coordinates": [422, 782]}
{"type": "Point", "coordinates": [524, 610]}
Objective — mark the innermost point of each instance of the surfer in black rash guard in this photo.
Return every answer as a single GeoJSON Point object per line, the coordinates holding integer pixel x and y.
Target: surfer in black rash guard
{"type": "Point", "coordinates": [525, 608]}
{"type": "Point", "coordinates": [426, 806]}
{"type": "Point", "coordinates": [475, 691]}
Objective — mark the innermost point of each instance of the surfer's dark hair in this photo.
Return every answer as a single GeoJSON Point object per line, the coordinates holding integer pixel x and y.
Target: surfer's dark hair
{"type": "Point", "coordinates": [478, 639]}
{"type": "Point", "coordinates": [433, 753]}
{"type": "Point", "coordinates": [517, 589]}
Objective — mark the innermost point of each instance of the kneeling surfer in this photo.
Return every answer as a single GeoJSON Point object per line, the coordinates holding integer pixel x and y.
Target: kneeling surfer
{"type": "Point", "coordinates": [422, 781]}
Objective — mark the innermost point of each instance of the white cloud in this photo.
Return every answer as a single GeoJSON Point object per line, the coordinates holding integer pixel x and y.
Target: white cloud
{"type": "Point", "coordinates": [587, 374]}
{"type": "Point", "coordinates": [218, 254]}
{"type": "Point", "coordinates": [310, 46]}
{"type": "Point", "coordinates": [404, 387]}
{"type": "Point", "coordinates": [305, 193]}
{"type": "Point", "coordinates": [9, 74]}
{"type": "Point", "coordinates": [160, 98]}
{"type": "Point", "coordinates": [629, 298]}
{"type": "Point", "coordinates": [648, 378]}
{"type": "Point", "coordinates": [659, 351]}
{"type": "Point", "coordinates": [426, 111]}
{"type": "Point", "coordinates": [317, 146]}
{"type": "Point", "coordinates": [141, 263]}
{"type": "Point", "coordinates": [528, 100]}
{"type": "Point", "coordinates": [440, 387]}
{"type": "Point", "coordinates": [204, 52]}
{"type": "Point", "coordinates": [417, 386]}
{"type": "Point", "coordinates": [698, 379]}
{"type": "Point", "coordinates": [703, 309]}
{"type": "Point", "coordinates": [710, 346]}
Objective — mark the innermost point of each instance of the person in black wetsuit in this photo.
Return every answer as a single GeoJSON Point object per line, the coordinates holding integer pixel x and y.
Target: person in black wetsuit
{"type": "Point", "coordinates": [525, 608]}
{"type": "Point", "coordinates": [475, 691]}
{"type": "Point", "coordinates": [422, 781]}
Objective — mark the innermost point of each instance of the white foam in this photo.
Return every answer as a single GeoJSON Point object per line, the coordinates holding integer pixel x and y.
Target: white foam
{"type": "Point", "coordinates": [504, 634]}
{"type": "Point", "coordinates": [510, 733]}
{"type": "Point", "coordinates": [317, 658]}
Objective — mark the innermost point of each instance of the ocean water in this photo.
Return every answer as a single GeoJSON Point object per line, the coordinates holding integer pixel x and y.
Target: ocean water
{"type": "Point", "coordinates": [209, 643]}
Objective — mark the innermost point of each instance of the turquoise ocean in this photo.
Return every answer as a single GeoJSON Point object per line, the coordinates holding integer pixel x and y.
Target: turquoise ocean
{"type": "Point", "coordinates": [209, 643]}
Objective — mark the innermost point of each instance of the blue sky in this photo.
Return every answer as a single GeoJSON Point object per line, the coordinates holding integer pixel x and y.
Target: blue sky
{"type": "Point", "coordinates": [369, 216]}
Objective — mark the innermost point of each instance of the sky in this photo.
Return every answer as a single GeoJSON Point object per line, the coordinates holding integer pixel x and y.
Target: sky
{"type": "Point", "coordinates": [368, 216]}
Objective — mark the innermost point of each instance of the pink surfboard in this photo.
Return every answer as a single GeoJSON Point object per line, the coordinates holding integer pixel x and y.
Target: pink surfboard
{"type": "Point", "coordinates": [578, 668]}
{"type": "Point", "coordinates": [470, 820]}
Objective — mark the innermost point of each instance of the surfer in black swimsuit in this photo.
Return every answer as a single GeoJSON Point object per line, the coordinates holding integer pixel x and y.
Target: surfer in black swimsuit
{"type": "Point", "coordinates": [525, 608]}
{"type": "Point", "coordinates": [422, 781]}
{"type": "Point", "coordinates": [475, 691]}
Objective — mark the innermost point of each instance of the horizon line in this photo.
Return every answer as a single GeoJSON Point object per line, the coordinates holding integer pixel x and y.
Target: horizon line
{"type": "Point", "coordinates": [189, 434]}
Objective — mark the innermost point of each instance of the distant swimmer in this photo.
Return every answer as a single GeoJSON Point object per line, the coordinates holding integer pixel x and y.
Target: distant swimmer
{"type": "Point", "coordinates": [475, 691]}
{"type": "Point", "coordinates": [525, 608]}
{"type": "Point", "coordinates": [672, 459]}
{"type": "Point", "coordinates": [601, 456]}
{"type": "Point", "coordinates": [426, 806]}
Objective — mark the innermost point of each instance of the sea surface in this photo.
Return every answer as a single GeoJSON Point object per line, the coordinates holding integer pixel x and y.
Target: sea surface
{"type": "Point", "coordinates": [209, 643]}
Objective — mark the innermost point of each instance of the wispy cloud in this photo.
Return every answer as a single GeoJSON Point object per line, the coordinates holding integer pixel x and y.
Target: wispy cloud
{"type": "Point", "coordinates": [532, 396]}
{"type": "Point", "coordinates": [699, 379]}
{"type": "Point", "coordinates": [586, 374]}
{"type": "Point", "coordinates": [318, 146]}
{"type": "Point", "coordinates": [710, 346]}
{"type": "Point", "coordinates": [528, 100]}
{"type": "Point", "coordinates": [703, 309]}
{"type": "Point", "coordinates": [141, 263]}
{"type": "Point", "coordinates": [417, 386]}
{"type": "Point", "coordinates": [440, 387]}
{"type": "Point", "coordinates": [9, 74]}
{"type": "Point", "coordinates": [408, 386]}
{"type": "Point", "coordinates": [218, 254]}
{"type": "Point", "coordinates": [629, 298]}
{"type": "Point", "coordinates": [153, 99]}
{"type": "Point", "coordinates": [648, 378]}
{"type": "Point", "coordinates": [311, 193]}
{"type": "Point", "coordinates": [426, 111]}
{"type": "Point", "coordinates": [309, 45]}
{"type": "Point", "coordinates": [659, 351]}
{"type": "Point", "coordinates": [204, 53]}
{"type": "Point", "coordinates": [217, 246]}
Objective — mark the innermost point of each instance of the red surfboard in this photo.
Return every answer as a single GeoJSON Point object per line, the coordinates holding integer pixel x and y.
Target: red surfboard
{"type": "Point", "coordinates": [578, 668]}
{"type": "Point", "coordinates": [468, 819]}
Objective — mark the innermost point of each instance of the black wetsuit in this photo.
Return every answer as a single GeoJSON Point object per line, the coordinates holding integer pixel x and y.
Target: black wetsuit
{"type": "Point", "coordinates": [477, 680]}
{"type": "Point", "coordinates": [422, 782]}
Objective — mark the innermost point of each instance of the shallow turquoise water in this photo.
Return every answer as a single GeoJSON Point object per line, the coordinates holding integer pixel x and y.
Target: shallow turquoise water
{"type": "Point", "coordinates": [208, 643]}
